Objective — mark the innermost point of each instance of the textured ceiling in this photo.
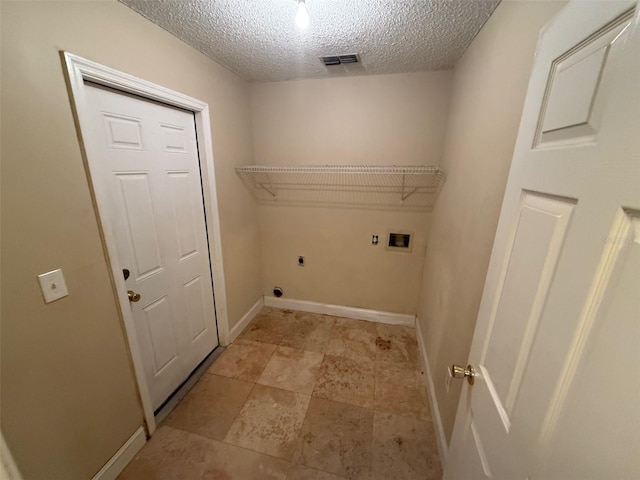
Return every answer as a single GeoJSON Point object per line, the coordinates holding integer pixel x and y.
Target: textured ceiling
{"type": "Point", "coordinates": [258, 39]}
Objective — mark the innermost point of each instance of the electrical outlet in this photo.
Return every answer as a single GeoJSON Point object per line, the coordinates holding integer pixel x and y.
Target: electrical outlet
{"type": "Point", "coordinates": [301, 260]}
{"type": "Point", "coordinates": [374, 239]}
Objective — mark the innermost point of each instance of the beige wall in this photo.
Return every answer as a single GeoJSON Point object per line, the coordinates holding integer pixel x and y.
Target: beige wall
{"type": "Point", "coordinates": [489, 85]}
{"type": "Point", "coordinates": [366, 120]}
{"type": "Point", "coordinates": [68, 395]}
{"type": "Point", "coordinates": [370, 120]}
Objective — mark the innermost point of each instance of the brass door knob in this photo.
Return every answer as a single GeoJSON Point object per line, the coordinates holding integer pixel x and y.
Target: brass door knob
{"type": "Point", "coordinates": [133, 296]}
{"type": "Point", "coordinates": [456, 371]}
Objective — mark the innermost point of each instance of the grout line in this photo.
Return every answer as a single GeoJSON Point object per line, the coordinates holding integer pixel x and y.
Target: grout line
{"type": "Point", "coordinates": [378, 363]}
{"type": "Point", "coordinates": [237, 414]}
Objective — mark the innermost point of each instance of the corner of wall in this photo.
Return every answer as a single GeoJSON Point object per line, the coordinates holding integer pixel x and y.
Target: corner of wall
{"type": "Point", "coordinates": [441, 436]}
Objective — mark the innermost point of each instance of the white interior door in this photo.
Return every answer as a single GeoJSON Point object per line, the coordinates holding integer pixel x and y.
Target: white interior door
{"type": "Point", "coordinates": [557, 343]}
{"type": "Point", "coordinates": [147, 163]}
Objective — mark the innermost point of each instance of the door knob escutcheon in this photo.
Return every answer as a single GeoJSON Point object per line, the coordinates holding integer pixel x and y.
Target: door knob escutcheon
{"type": "Point", "coordinates": [133, 296]}
{"type": "Point", "coordinates": [456, 371]}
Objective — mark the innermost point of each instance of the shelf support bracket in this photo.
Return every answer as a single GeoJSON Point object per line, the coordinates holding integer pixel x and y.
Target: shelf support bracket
{"type": "Point", "coordinates": [264, 187]}
{"type": "Point", "coordinates": [270, 188]}
{"type": "Point", "coordinates": [403, 197]}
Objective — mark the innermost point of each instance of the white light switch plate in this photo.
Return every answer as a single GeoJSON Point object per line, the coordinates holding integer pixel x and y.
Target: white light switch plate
{"type": "Point", "coordinates": [53, 286]}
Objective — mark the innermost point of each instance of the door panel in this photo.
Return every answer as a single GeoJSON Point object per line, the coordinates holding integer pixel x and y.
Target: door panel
{"type": "Point", "coordinates": [195, 313]}
{"type": "Point", "coordinates": [159, 324]}
{"type": "Point", "coordinates": [141, 224]}
{"type": "Point", "coordinates": [571, 108]}
{"type": "Point", "coordinates": [610, 317]}
{"type": "Point", "coordinates": [148, 161]}
{"type": "Point", "coordinates": [122, 132]}
{"type": "Point", "coordinates": [558, 328]}
{"type": "Point", "coordinates": [540, 232]}
{"type": "Point", "coordinates": [185, 231]}
{"type": "Point", "coordinates": [174, 139]}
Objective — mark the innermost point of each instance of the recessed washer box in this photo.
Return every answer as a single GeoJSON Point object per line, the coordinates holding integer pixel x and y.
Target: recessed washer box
{"type": "Point", "coordinates": [399, 241]}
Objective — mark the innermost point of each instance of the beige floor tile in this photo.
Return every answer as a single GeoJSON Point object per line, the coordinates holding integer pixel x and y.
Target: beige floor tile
{"type": "Point", "coordinates": [173, 454]}
{"type": "Point", "coordinates": [233, 463]}
{"type": "Point", "coordinates": [270, 421]}
{"type": "Point", "coordinates": [336, 438]}
{"type": "Point", "coordinates": [400, 389]}
{"type": "Point", "coordinates": [211, 406]}
{"type": "Point", "coordinates": [269, 326]}
{"type": "Point", "coordinates": [292, 369]}
{"type": "Point", "coordinates": [170, 454]}
{"type": "Point", "coordinates": [404, 447]}
{"type": "Point", "coordinates": [244, 359]}
{"type": "Point", "coordinates": [355, 339]}
{"type": "Point", "coordinates": [346, 380]}
{"type": "Point", "coordinates": [367, 418]}
{"type": "Point", "coordinates": [397, 343]}
{"type": "Point", "coordinates": [300, 472]}
{"type": "Point", "coordinates": [308, 331]}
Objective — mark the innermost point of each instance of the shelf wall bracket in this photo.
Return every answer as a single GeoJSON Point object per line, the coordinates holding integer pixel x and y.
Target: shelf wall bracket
{"type": "Point", "coordinates": [403, 197]}
{"type": "Point", "coordinates": [269, 189]}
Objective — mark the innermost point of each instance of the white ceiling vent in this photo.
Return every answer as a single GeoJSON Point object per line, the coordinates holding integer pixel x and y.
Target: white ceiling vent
{"type": "Point", "coordinates": [331, 60]}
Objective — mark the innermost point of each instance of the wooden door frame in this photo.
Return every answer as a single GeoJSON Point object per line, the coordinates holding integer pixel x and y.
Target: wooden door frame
{"type": "Point", "coordinates": [77, 71]}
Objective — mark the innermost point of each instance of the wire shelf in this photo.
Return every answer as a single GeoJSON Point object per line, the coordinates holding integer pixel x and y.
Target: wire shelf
{"type": "Point", "coordinates": [368, 186]}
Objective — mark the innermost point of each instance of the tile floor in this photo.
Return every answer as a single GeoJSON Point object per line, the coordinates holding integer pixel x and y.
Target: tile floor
{"type": "Point", "coordinates": [301, 396]}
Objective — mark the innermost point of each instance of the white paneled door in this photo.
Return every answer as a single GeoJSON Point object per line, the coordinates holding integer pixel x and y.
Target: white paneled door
{"type": "Point", "coordinates": [147, 162]}
{"type": "Point", "coordinates": [557, 344]}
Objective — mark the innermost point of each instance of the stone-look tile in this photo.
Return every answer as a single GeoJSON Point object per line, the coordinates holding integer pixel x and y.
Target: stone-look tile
{"type": "Point", "coordinates": [270, 421]}
{"type": "Point", "coordinates": [404, 447]}
{"type": "Point", "coordinates": [336, 438]}
{"type": "Point", "coordinates": [177, 455]}
{"type": "Point", "coordinates": [308, 331]}
{"type": "Point", "coordinates": [211, 406]}
{"type": "Point", "coordinates": [269, 326]}
{"type": "Point", "coordinates": [355, 339]}
{"type": "Point", "coordinates": [292, 369]}
{"type": "Point", "coordinates": [233, 462]}
{"type": "Point", "coordinates": [345, 380]}
{"type": "Point", "coordinates": [400, 389]}
{"type": "Point", "coordinates": [300, 472]}
{"type": "Point", "coordinates": [318, 338]}
{"type": "Point", "coordinates": [396, 343]}
{"type": "Point", "coordinates": [170, 454]}
{"type": "Point", "coordinates": [364, 364]}
{"type": "Point", "coordinates": [244, 359]}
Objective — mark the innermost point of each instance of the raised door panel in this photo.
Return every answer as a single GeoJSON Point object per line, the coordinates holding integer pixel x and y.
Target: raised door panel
{"type": "Point", "coordinates": [530, 263]}
{"type": "Point", "coordinates": [123, 132]}
{"type": "Point", "coordinates": [173, 138]}
{"type": "Point", "coordinates": [159, 325]}
{"type": "Point", "coordinates": [570, 111]}
{"type": "Point", "coordinates": [185, 230]}
{"type": "Point", "coordinates": [142, 232]}
{"type": "Point", "coordinates": [601, 366]}
{"type": "Point", "coordinates": [196, 306]}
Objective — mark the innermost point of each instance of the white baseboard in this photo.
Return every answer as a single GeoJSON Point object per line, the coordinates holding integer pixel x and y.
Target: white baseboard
{"type": "Point", "coordinates": [245, 320]}
{"type": "Point", "coordinates": [433, 400]}
{"type": "Point", "coordinates": [341, 311]}
{"type": "Point", "coordinates": [122, 457]}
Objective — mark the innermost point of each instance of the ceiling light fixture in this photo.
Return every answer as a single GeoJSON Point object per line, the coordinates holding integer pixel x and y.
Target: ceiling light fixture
{"type": "Point", "coordinates": [302, 17]}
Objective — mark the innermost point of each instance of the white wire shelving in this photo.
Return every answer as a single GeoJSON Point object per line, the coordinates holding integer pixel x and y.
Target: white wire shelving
{"type": "Point", "coordinates": [365, 186]}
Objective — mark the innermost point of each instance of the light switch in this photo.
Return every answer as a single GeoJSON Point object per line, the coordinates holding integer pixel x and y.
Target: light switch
{"type": "Point", "coordinates": [52, 286]}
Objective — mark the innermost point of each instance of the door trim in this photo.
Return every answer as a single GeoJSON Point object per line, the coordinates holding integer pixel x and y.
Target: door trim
{"type": "Point", "coordinates": [77, 71]}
